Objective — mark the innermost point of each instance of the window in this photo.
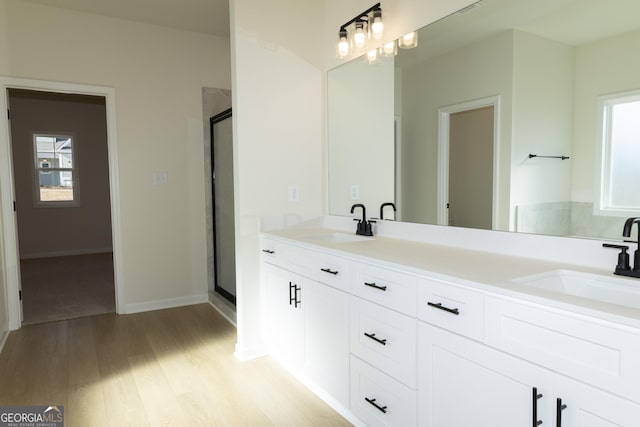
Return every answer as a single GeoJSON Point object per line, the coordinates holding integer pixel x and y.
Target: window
{"type": "Point", "coordinates": [619, 155]}
{"type": "Point", "coordinates": [56, 174]}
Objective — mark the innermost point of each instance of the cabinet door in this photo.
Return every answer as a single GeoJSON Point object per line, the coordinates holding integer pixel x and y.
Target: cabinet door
{"type": "Point", "coordinates": [463, 383]}
{"type": "Point", "coordinates": [285, 316]}
{"type": "Point", "coordinates": [589, 407]}
{"type": "Point", "coordinates": [326, 339]}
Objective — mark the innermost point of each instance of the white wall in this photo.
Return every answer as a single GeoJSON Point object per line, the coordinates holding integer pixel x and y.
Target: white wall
{"type": "Point", "coordinates": [158, 74]}
{"type": "Point", "coordinates": [278, 98]}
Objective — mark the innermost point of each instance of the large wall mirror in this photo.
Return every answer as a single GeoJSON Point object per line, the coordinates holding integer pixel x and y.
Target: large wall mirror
{"type": "Point", "coordinates": [497, 120]}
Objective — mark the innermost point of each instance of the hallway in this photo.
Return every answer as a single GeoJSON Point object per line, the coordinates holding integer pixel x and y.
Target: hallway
{"type": "Point", "coordinates": [61, 288]}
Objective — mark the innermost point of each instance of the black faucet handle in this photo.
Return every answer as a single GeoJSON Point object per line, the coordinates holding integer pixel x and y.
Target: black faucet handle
{"type": "Point", "coordinates": [623, 257]}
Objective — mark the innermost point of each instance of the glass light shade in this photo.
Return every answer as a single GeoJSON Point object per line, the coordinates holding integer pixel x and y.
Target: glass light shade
{"type": "Point", "coordinates": [342, 50]}
{"type": "Point", "coordinates": [360, 36]}
{"type": "Point", "coordinates": [389, 49]}
{"type": "Point", "coordinates": [372, 56]}
{"type": "Point", "coordinates": [409, 40]}
{"type": "Point", "coordinates": [377, 27]}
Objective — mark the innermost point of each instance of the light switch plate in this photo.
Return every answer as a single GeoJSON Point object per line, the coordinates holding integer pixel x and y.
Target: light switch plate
{"type": "Point", "coordinates": [160, 178]}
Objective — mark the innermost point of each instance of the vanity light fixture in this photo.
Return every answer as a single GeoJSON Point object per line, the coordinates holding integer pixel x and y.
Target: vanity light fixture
{"type": "Point", "coordinates": [408, 41]}
{"type": "Point", "coordinates": [389, 49]}
{"type": "Point", "coordinates": [372, 57]}
{"type": "Point", "coordinates": [366, 25]}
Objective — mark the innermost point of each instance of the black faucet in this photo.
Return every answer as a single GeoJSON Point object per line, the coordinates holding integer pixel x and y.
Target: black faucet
{"type": "Point", "coordinates": [364, 226]}
{"type": "Point", "coordinates": [382, 208]}
{"type": "Point", "coordinates": [624, 268]}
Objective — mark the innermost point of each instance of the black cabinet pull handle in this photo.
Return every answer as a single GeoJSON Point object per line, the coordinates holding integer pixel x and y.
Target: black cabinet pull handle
{"type": "Point", "coordinates": [535, 397]}
{"type": "Point", "coordinates": [382, 409]}
{"type": "Point", "coordinates": [439, 306]}
{"type": "Point", "coordinates": [268, 251]}
{"type": "Point", "coordinates": [292, 298]}
{"type": "Point", "coordinates": [559, 408]}
{"type": "Point", "coordinates": [373, 285]}
{"type": "Point", "coordinates": [330, 271]}
{"type": "Point", "coordinates": [376, 339]}
{"type": "Point", "coordinates": [296, 301]}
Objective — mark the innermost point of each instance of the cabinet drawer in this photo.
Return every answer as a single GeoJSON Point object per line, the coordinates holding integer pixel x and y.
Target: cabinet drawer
{"type": "Point", "coordinates": [299, 260]}
{"type": "Point", "coordinates": [450, 307]}
{"type": "Point", "coordinates": [333, 271]}
{"type": "Point", "coordinates": [385, 339]}
{"type": "Point", "coordinates": [379, 400]}
{"type": "Point", "coordinates": [389, 288]}
{"type": "Point", "coordinates": [593, 352]}
{"type": "Point", "coordinates": [270, 251]}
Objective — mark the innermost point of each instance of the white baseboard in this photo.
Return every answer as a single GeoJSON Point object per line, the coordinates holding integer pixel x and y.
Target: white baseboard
{"type": "Point", "coordinates": [223, 314]}
{"type": "Point", "coordinates": [165, 303]}
{"type": "Point", "coordinates": [66, 253]}
{"type": "Point", "coordinates": [250, 353]}
{"type": "Point", "coordinates": [3, 339]}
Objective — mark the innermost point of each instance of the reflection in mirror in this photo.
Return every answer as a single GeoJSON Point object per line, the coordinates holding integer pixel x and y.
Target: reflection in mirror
{"type": "Point", "coordinates": [445, 130]}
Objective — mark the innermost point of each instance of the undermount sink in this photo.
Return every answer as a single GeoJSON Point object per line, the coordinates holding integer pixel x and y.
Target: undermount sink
{"type": "Point", "coordinates": [336, 237]}
{"type": "Point", "coordinates": [613, 290]}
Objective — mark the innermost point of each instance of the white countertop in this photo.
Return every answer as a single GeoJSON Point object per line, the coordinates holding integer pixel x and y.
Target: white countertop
{"type": "Point", "coordinates": [484, 271]}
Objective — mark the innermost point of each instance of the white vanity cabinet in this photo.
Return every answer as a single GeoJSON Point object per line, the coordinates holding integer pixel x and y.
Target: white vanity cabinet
{"type": "Point", "coordinates": [285, 316]}
{"type": "Point", "coordinates": [566, 360]}
{"type": "Point", "coordinates": [463, 383]}
{"type": "Point", "coordinates": [394, 347]}
{"type": "Point", "coordinates": [306, 319]}
{"type": "Point", "coordinates": [383, 345]}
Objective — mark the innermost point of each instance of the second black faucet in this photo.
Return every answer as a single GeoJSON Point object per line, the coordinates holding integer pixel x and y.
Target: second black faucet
{"type": "Point", "coordinates": [364, 227]}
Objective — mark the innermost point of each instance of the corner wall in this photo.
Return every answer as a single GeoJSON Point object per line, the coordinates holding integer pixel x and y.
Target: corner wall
{"type": "Point", "coordinates": [278, 102]}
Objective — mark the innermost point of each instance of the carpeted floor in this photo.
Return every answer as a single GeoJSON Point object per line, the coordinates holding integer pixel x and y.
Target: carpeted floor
{"type": "Point", "coordinates": [67, 287]}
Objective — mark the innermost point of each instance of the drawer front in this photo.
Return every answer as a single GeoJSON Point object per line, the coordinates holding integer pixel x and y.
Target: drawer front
{"type": "Point", "coordinates": [451, 307]}
{"type": "Point", "coordinates": [333, 271]}
{"type": "Point", "coordinates": [298, 260]}
{"type": "Point", "coordinates": [593, 352]}
{"type": "Point", "coordinates": [378, 399]}
{"type": "Point", "coordinates": [270, 251]}
{"type": "Point", "coordinates": [385, 339]}
{"type": "Point", "coordinates": [389, 288]}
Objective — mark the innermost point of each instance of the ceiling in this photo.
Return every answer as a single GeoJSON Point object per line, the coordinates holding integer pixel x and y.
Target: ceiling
{"type": "Point", "coordinates": [203, 16]}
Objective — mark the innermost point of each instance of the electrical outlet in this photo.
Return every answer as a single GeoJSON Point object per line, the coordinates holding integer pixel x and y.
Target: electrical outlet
{"type": "Point", "coordinates": [355, 192]}
{"type": "Point", "coordinates": [294, 193]}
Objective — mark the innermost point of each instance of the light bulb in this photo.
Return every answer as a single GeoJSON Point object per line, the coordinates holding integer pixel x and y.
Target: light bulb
{"type": "Point", "coordinates": [360, 37]}
{"type": "Point", "coordinates": [377, 27]}
{"type": "Point", "coordinates": [409, 40]}
{"type": "Point", "coordinates": [389, 49]}
{"type": "Point", "coordinates": [372, 56]}
{"type": "Point", "coordinates": [343, 45]}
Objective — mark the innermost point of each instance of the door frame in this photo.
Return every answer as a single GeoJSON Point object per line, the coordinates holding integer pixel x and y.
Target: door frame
{"type": "Point", "coordinates": [11, 255]}
{"type": "Point", "coordinates": [444, 118]}
{"type": "Point", "coordinates": [226, 114]}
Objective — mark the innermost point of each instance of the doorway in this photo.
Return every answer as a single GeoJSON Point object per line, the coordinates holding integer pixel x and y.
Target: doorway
{"type": "Point", "coordinates": [63, 207]}
{"type": "Point", "coordinates": [467, 164]}
{"type": "Point", "coordinates": [222, 196]}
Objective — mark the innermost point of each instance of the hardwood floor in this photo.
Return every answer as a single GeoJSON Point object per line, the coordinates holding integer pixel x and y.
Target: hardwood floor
{"type": "Point", "coordinates": [169, 367]}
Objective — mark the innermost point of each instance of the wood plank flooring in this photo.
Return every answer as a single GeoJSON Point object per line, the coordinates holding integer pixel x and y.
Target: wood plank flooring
{"type": "Point", "coordinates": [164, 368]}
